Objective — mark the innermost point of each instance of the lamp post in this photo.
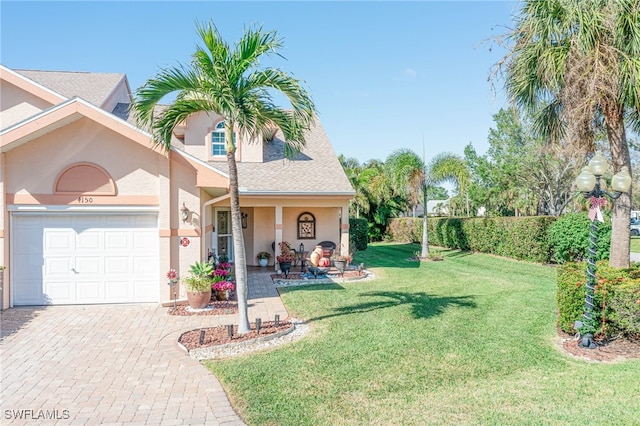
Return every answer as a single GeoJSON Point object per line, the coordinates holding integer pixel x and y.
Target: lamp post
{"type": "Point", "coordinates": [588, 182]}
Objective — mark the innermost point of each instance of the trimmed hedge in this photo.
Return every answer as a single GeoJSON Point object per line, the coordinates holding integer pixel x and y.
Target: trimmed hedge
{"type": "Point", "coordinates": [358, 234]}
{"type": "Point", "coordinates": [617, 296]}
{"type": "Point", "coordinates": [522, 238]}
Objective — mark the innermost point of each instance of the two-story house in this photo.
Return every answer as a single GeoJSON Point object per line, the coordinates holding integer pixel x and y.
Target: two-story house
{"type": "Point", "coordinates": [93, 213]}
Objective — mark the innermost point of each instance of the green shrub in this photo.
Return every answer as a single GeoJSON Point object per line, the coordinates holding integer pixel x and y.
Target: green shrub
{"type": "Point", "coordinates": [405, 230]}
{"type": "Point", "coordinates": [358, 233]}
{"type": "Point", "coordinates": [624, 305]}
{"type": "Point", "coordinates": [616, 295]}
{"type": "Point", "coordinates": [570, 296]}
{"type": "Point", "coordinates": [569, 238]}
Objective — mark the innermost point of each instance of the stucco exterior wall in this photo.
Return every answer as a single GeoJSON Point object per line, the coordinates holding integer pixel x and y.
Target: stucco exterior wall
{"type": "Point", "coordinates": [119, 95]}
{"type": "Point", "coordinates": [13, 95]}
{"type": "Point", "coordinates": [17, 105]}
{"type": "Point", "coordinates": [133, 167]}
{"type": "Point", "coordinates": [197, 140]}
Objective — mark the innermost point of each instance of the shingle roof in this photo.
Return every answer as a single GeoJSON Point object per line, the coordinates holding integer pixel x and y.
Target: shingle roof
{"type": "Point", "coordinates": [90, 86]}
{"type": "Point", "coordinates": [278, 174]}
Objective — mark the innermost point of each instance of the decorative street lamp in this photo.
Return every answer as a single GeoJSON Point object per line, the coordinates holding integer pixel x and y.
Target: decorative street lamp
{"type": "Point", "coordinates": [588, 182]}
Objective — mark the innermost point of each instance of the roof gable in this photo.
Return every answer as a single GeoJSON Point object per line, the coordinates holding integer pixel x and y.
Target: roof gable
{"type": "Point", "coordinates": [96, 88]}
{"type": "Point", "coordinates": [31, 86]}
{"type": "Point", "coordinates": [65, 113]}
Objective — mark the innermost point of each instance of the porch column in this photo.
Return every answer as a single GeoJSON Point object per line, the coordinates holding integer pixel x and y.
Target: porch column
{"type": "Point", "coordinates": [278, 234]}
{"type": "Point", "coordinates": [344, 229]}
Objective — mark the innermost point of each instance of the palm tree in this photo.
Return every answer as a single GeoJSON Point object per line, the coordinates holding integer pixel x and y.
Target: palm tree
{"type": "Point", "coordinates": [228, 82]}
{"type": "Point", "coordinates": [411, 177]}
{"type": "Point", "coordinates": [577, 64]}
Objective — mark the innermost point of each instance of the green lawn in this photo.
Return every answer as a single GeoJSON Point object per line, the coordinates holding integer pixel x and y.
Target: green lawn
{"type": "Point", "coordinates": [635, 244]}
{"type": "Point", "coordinates": [469, 340]}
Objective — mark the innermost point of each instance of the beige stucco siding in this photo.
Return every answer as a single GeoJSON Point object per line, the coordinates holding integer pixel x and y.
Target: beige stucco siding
{"type": "Point", "coordinates": [134, 168]}
{"type": "Point", "coordinates": [17, 105]}
{"type": "Point", "coordinates": [197, 140]}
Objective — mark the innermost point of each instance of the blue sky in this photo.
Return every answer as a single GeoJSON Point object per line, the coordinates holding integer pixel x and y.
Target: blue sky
{"type": "Point", "coordinates": [383, 75]}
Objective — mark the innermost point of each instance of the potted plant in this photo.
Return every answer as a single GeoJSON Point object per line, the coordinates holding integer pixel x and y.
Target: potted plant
{"type": "Point", "coordinates": [285, 257]}
{"type": "Point", "coordinates": [198, 284]}
{"type": "Point", "coordinates": [340, 262]}
{"type": "Point", "coordinates": [222, 281]}
{"type": "Point", "coordinates": [263, 258]}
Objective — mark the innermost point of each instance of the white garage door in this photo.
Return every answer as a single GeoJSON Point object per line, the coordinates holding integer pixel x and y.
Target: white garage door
{"type": "Point", "coordinates": [84, 258]}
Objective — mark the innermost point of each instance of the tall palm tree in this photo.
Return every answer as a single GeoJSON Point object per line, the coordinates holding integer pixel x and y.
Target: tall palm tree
{"type": "Point", "coordinates": [230, 83]}
{"type": "Point", "coordinates": [411, 177]}
{"type": "Point", "coordinates": [577, 63]}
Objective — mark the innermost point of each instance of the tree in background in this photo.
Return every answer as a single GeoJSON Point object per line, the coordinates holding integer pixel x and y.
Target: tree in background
{"type": "Point", "coordinates": [521, 174]}
{"type": "Point", "coordinates": [228, 82]}
{"type": "Point", "coordinates": [577, 65]}
{"type": "Point", "coordinates": [410, 178]}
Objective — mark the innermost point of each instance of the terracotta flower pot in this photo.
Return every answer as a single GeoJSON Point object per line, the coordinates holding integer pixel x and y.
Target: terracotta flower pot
{"type": "Point", "coordinates": [198, 299]}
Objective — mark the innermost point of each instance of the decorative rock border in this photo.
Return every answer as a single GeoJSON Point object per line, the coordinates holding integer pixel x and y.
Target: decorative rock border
{"type": "Point", "coordinates": [279, 282]}
{"type": "Point", "coordinates": [297, 330]}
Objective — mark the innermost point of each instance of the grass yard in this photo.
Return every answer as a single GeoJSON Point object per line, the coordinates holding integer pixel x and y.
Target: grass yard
{"type": "Point", "coordinates": [635, 244]}
{"type": "Point", "coordinates": [469, 340]}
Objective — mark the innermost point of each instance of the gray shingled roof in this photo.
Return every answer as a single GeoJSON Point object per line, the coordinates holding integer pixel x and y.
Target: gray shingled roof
{"type": "Point", "coordinates": [277, 174]}
{"type": "Point", "coordinates": [91, 86]}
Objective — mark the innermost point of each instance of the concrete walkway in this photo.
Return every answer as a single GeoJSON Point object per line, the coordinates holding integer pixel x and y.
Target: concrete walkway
{"type": "Point", "coordinates": [114, 364]}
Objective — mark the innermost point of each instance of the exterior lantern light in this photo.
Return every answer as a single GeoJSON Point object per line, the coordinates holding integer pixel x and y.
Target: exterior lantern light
{"type": "Point", "coordinates": [588, 182]}
{"type": "Point", "coordinates": [184, 212]}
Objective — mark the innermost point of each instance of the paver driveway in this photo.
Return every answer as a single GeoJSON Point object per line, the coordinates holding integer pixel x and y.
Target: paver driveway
{"type": "Point", "coordinates": [106, 364]}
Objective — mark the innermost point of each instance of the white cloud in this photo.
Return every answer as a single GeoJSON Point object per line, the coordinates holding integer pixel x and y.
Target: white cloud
{"type": "Point", "coordinates": [410, 73]}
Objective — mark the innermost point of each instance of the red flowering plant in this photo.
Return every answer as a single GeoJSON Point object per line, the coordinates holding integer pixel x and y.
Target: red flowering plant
{"type": "Point", "coordinates": [222, 278]}
{"type": "Point", "coordinates": [223, 286]}
{"type": "Point", "coordinates": [285, 253]}
{"type": "Point", "coordinates": [172, 276]}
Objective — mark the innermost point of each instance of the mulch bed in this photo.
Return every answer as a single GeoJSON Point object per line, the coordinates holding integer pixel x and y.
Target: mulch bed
{"type": "Point", "coordinates": [220, 336]}
{"type": "Point", "coordinates": [619, 349]}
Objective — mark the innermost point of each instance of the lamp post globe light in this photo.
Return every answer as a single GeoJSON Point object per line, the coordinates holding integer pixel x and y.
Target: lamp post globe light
{"type": "Point", "coordinates": [588, 182]}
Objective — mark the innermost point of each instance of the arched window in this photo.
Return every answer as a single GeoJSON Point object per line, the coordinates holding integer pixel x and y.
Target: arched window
{"type": "Point", "coordinates": [217, 140]}
{"type": "Point", "coordinates": [306, 226]}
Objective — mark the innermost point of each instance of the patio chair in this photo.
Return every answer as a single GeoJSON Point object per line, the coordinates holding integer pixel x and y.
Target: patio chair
{"type": "Point", "coordinates": [327, 248]}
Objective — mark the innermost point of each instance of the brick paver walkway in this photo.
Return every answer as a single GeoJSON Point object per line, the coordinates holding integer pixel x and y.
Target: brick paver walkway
{"type": "Point", "coordinates": [114, 364]}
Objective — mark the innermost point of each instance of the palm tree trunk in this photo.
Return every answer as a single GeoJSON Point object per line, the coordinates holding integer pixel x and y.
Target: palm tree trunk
{"type": "Point", "coordinates": [620, 237]}
{"type": "Point", "coordinates": [425, 232]}
{"type": "Point", "coordinates": [239, 254]}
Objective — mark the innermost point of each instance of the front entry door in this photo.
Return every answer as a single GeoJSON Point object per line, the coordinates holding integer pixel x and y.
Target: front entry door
{"type": "Point", "coordinates": [223, 238]}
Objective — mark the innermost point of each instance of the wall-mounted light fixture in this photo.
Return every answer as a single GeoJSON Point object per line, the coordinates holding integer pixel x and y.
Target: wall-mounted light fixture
{"type": "Point", "coordinates": [244, 217]}
{"type": "Point", "coordinates": [184, 213]}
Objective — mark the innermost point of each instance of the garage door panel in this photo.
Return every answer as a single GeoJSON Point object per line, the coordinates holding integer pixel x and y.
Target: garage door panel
{"type": "Point", "coordinates": [144, 266]}
{"type": "Point", "coordinates": [89, 240]}
{"type": "Point", "coordinates": [29, 241]}
{"type": "Point", "coordinates": [144, 240]}
{"type": "Point", "coordinates": [58, 266]}
{"type": "Point", "coordinates": [117, 265]}
{"type": "Point", "coordinates": [119, 290]}
{"type": "Point", "coordinates": [58, 240]}
{"type": "Point", "coordinates": [85, 258]}
{"type": "Point", "coordinates": [89, 291]}
{"type": "Point", "coordinates": [29, 291]}
{"type": "Point", "coordinates": [59, 292]}
{"type": "Point", "coordinates": [117, 240]}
